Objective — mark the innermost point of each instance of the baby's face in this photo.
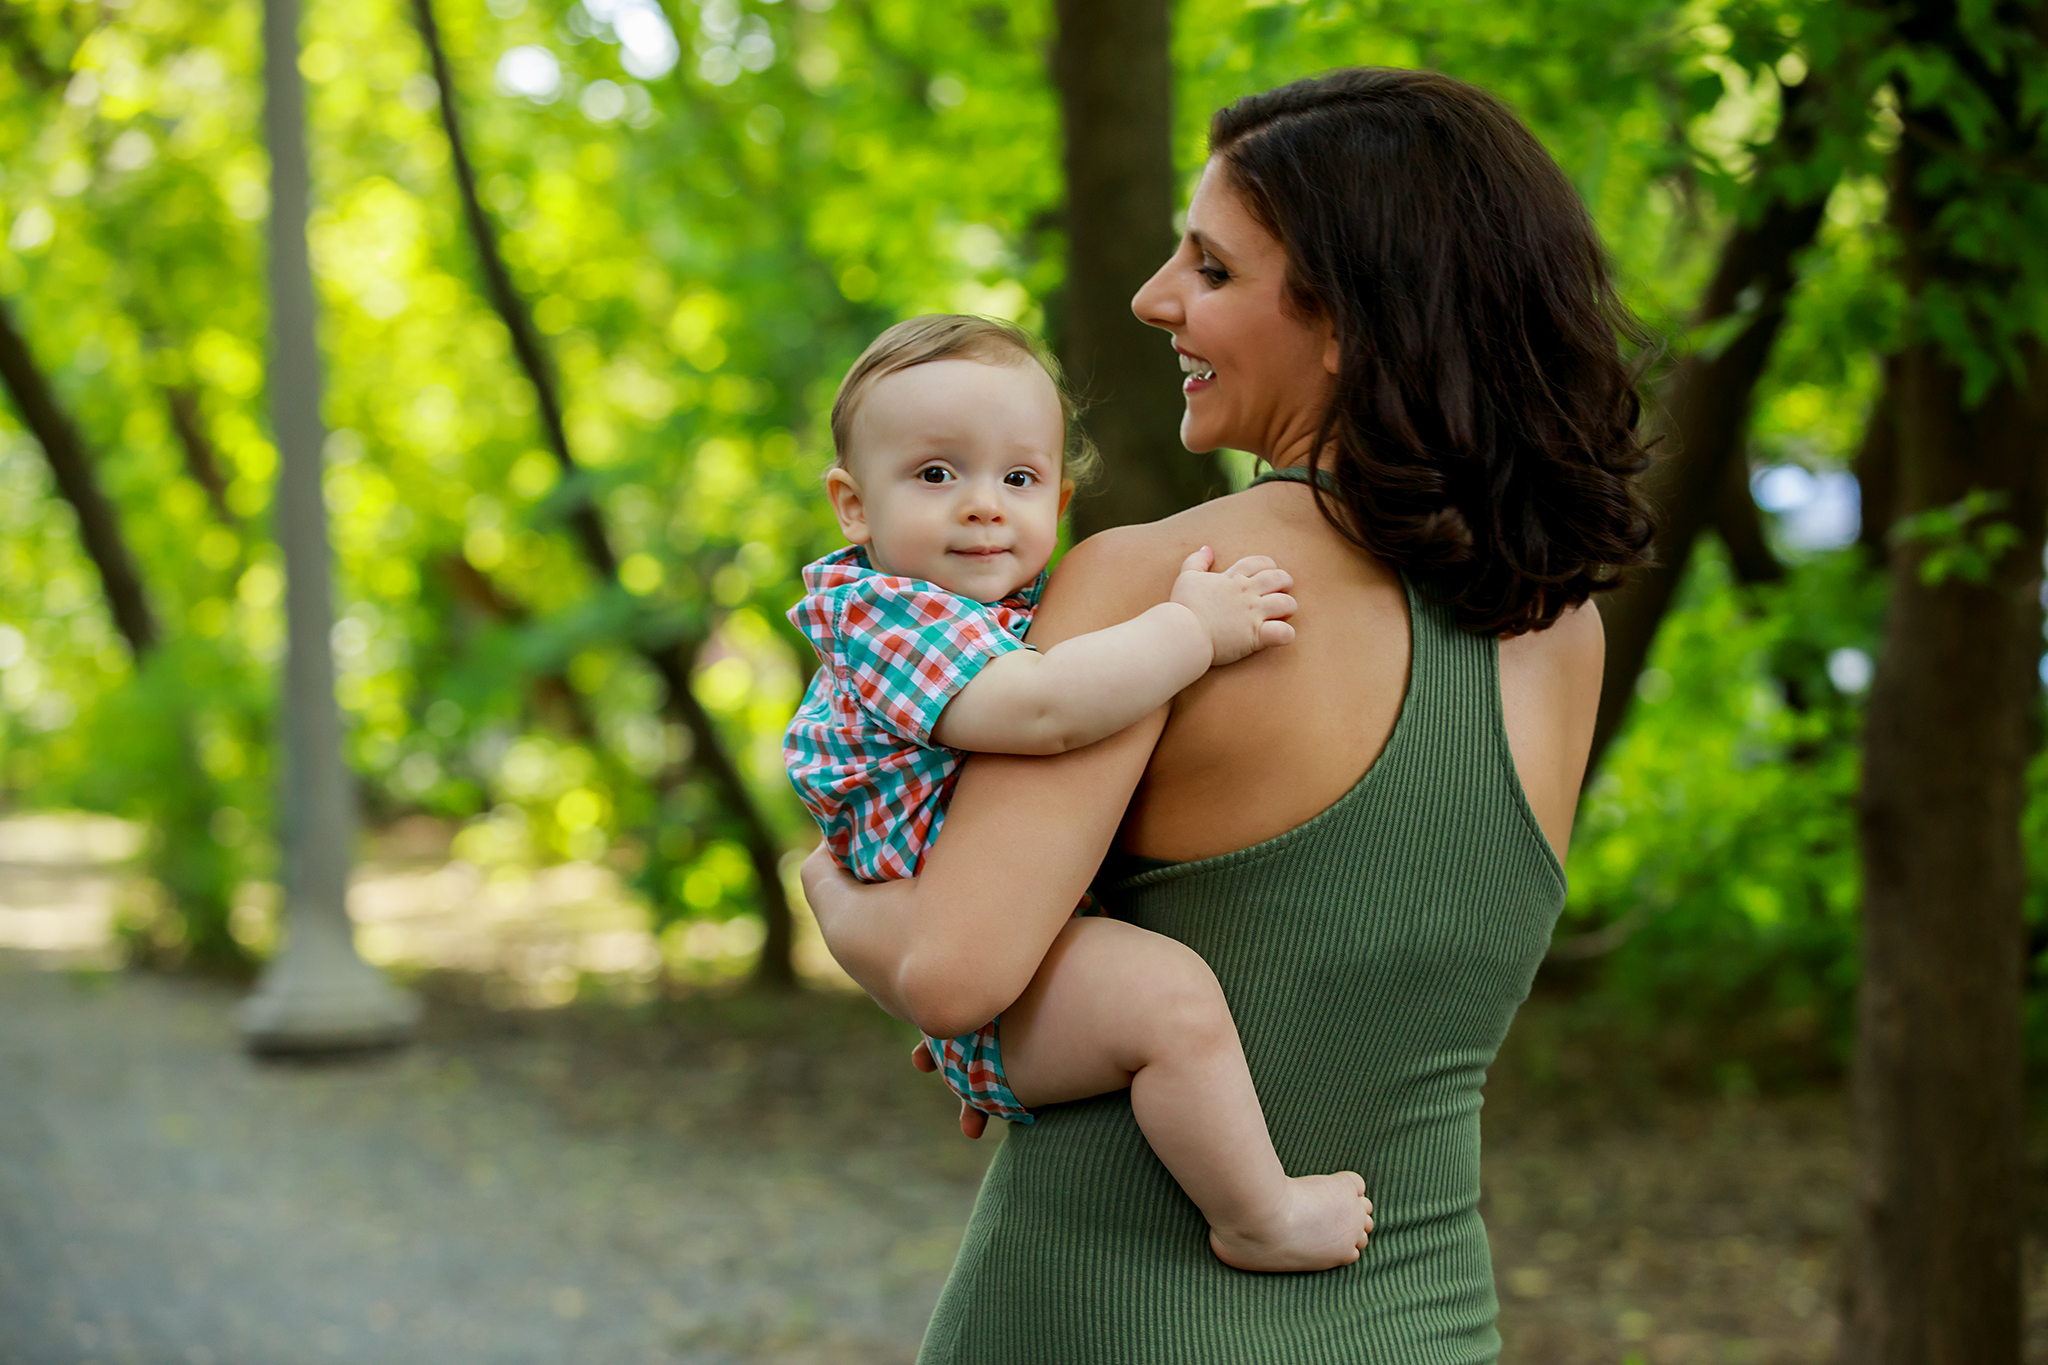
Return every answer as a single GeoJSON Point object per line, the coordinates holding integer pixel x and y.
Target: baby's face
{"type": "Point", "coordinates": [954, 476]}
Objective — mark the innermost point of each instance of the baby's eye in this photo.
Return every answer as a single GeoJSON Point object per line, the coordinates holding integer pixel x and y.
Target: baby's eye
{"type": "Point", "coordinates": [1020, 478]}
{"type": "Point", "coordinates": [934, 473]}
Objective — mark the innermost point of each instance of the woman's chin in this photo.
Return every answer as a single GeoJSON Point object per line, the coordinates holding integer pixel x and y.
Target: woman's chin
{"type": "Point", "coordinates": [1198, 436]}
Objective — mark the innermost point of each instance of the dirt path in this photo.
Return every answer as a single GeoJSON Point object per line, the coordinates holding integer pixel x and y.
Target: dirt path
{"type": "Point", "coordinates": [501, 1192]}
{"type": "Point", "coordinates": [722, 1179]}
{"type": "Point", "coordinates": [715, 1178]}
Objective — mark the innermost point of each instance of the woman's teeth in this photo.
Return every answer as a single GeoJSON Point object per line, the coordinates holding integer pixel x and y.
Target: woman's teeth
{"type": "Point", "coordinates": [1198, 369]}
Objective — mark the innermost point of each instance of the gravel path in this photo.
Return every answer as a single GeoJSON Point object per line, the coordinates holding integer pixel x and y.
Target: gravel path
{"type": "Point", "coordinates": [719, 1178]}
{"type": "Point", "coordinates": [514, 1188]}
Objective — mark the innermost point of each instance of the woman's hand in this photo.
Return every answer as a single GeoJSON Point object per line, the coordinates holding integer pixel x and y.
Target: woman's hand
{"type": "Point", "coordinates": [855, 918]}
{"type": "Point", "coordinates": [824, 881]}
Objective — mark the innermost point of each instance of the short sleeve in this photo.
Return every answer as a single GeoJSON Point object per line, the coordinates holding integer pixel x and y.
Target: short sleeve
{"type": "Point", "coordinates": [908, 648]}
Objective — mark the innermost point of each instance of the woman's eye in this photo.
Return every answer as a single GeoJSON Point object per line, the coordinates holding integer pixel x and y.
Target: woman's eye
{"type": "Point", "coordinates": [934, 473]}
{"type": "Point", "coordinates": [1020, 478]}
{"type": "Point", "coordinates": [1216, 275]}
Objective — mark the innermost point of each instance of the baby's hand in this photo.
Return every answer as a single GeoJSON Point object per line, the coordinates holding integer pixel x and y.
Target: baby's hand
{"type": "Point", "coordinates": [1244, 608]}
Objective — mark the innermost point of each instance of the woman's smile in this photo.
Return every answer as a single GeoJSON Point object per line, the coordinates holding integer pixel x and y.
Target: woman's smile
{"type": "Point", "coordinates": [1200, 373]}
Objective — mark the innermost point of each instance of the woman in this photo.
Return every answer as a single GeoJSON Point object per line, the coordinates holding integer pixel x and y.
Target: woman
{"type": "Point", "coordinates": [1390, 293]}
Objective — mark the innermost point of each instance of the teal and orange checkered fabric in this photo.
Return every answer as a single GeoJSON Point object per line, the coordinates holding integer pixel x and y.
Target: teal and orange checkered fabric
{"type": "Point", "coordinates": [892, 652]}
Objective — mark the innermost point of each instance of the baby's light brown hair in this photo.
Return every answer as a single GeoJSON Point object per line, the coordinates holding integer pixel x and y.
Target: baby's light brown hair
{"type": "Point", "coordinates": [958, 336]}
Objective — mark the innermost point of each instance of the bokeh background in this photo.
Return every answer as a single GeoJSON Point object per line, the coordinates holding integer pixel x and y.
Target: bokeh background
{"type": "Point", "coordinates": [706, 210]}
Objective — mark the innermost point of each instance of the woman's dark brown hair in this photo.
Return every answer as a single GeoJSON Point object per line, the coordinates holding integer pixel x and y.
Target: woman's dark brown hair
{"type": "Point", "coordinates": [1482, 435]}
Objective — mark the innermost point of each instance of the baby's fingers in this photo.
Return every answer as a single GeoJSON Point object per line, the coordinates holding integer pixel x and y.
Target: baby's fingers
{"type": "Point", "coordinates": [1273, 633]}
{"type": "Point", "coordinates": [1277, 604]}
{"type": "Point", "coordinates": [1251, 565]}
{"type": "Point", "coordinates": [1199, 561]}
{"type": "Point", "coordinates": [1271, 580]}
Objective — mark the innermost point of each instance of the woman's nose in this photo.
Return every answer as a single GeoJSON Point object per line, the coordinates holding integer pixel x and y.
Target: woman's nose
{"type": "Point", "coordinates": [1156, 303]}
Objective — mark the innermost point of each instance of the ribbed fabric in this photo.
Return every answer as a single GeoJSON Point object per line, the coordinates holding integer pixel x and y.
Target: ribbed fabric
{"type": "Point", "coordinates": [1373, 959]}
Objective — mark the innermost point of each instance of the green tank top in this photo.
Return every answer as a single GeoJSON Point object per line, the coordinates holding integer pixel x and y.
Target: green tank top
{"type": "Point", "coordinates": [1373, 958]}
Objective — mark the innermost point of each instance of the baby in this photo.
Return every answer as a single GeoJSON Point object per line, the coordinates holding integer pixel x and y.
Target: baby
{"type": "Point", "coordinates": [951, 436]}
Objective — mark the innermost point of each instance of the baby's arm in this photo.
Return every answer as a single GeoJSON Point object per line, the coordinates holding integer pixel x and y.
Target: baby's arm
{"type": "Point", "coordinates": [1090, 686]}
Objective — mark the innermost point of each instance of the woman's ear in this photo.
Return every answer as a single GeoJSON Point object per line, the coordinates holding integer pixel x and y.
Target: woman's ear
{"type": "Point", "coordinates": [844, 491]}
{"type": "Point", "coordinates": [1333, 351]}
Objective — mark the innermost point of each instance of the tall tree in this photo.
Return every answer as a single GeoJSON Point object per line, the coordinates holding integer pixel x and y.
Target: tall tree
{"type": "Point", "coordinates": [674, 661]}
{"type": "Point", "coordinates": [1706, 399]}
{"type": "Point", "coordinates": [316, 995]}
{"type": "Point", "coordinates": [1935, 1268]}
{"type": "Point", "coordinates": [1113, 67]}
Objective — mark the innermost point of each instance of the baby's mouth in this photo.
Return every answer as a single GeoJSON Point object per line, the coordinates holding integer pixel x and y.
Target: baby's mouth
{"type": "Point", "coordinates": [983, 551]}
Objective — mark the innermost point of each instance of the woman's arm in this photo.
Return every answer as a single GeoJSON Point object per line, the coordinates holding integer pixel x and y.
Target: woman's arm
{"type": "Point", "coordinates": [1022, 837]}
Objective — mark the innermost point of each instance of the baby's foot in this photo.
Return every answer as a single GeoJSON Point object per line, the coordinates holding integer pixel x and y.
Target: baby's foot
{"type": "Point", "coordinates": [1321, 1223]}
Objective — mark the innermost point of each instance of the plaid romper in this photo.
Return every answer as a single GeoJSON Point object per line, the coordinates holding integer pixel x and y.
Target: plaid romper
{"type": "Point", "coordinates": [893, 652]}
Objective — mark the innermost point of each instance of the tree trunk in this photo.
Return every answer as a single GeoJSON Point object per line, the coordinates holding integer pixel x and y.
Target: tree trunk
{"type": "Point", "coordinates": [1706, 402]}
{"type": "Point", "coordinates": [1113, 68]}
{"type": "Point", "coordinates": [674, 661]}
{"type": "Point", "coordinates": [1877, 468]}
{"type": "Point", "coordinates": [71, 466]}
{"type": "Point", "coordinates": [1741, 529]}
{"type": "Point", "coordinates": [1938, 1077]}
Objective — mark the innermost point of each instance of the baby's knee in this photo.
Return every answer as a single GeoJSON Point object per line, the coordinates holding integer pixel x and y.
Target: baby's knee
{"type": "Point", "coordinates": [1180, 996]}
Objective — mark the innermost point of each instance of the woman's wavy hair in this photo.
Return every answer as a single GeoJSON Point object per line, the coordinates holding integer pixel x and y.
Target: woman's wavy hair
{"type": "Point", "coordinates": [1482, 434]}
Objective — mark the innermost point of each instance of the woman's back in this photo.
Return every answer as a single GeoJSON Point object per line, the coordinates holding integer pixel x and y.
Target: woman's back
{"type": "Point", "coordinates": [1255, 749]}
{"type": "Point", "coordinates": [1373, 957]}
{"type": "Point", "coordinates": [1259, 747]}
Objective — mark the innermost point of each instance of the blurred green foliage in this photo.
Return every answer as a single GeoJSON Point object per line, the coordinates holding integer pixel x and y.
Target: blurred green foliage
{"type": "Point", "coordinates": [708, 232]}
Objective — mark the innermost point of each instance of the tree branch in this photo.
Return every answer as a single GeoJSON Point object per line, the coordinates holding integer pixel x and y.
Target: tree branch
{"type": "Point", "coordinates": [673, 661]}
{"type": "Point", "coordinates": [510, 305]}
{"type": "Point", "coordinates": [71, 465]}
{"type": "Point", "coordinates": [202, 462]}
{"type": "Point", "coordinates": [1706, 402]}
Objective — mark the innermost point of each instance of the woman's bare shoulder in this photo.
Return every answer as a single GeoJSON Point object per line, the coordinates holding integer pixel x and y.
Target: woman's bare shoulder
{"type": "Point", "coordinates": [1573, 649]}
{"type": "Point", "coordinates": [1109, 577]}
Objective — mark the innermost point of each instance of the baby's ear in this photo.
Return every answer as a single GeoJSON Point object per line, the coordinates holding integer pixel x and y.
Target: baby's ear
{"type": "Point", "coordinates": [844, 491]}
{"type": "Point", "coordinates": [1066, 494]}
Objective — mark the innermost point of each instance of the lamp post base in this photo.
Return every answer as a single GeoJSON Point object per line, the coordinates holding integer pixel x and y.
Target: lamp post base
{"type": "Point", "coordinates": [318, 996]}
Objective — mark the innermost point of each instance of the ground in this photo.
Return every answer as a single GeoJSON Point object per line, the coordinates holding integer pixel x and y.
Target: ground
{"type": "Point", "coordinates": [710, 1176]}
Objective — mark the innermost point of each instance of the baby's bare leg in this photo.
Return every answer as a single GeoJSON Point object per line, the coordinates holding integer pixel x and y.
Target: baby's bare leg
{"type": "Point", "coordinates": [1115, 1005]}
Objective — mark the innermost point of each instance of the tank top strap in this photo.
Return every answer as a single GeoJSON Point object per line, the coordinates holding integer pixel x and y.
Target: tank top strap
{"type": "Point", "coordinates": [1296, 473]}
{"type": "Point", "coordinates": [1453, 678]}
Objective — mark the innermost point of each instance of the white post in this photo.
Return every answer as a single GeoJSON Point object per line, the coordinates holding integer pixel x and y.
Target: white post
{"type": "Point", "coordinates": [316, 995]}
